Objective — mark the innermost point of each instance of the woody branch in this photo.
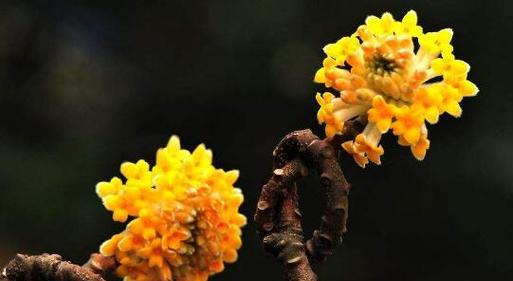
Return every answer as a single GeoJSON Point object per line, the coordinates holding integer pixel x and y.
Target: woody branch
{"type": "Point", "coordinates": [51, 267]}
{"type": "Point", "coordinates": [277, 215]}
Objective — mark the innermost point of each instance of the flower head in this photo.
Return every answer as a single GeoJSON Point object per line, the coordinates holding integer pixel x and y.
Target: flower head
{"type": "Point", "coordinates": [381, 77]}
{"type": "Point", "coordinates": [185, 222]}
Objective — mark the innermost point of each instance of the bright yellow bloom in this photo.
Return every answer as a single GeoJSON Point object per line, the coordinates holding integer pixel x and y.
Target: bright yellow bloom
{"type": "Point", "coordinates": [109, 188]}
{"type": "Point", "coordinates": [325, 114]}
{"type": "Point", "coordinates": [381, 113]}
{"type": "Point", "coordinates": [381, 77]}
{"type": "Point", "coordinates": [409, 123]}
{"type": "Point", "coordinates": [408, 26]}
{"type": "Point", "coordinates": [460, 83]}
{"type": "Point", "coordinates": [381, 26]}
{"type": "Point", "coordinates": [185, 224]}
{"type": "Point", "coordinates": [448, 65]}
{"type": "Point", "coordinates": [358, 156]}
{"type": "Point", "coordinates": [137, 174]}
{"type": "Point", "coordinates": [434, 43]}
{"type": "Point", "coordinates": [332, 76]}
{"type": "Point", "coordinates": [343, 48]}
{"type": "Point", "coordinates": [428, 100]}
{"type": "Point", "coordinates": [370, 147]}
{"type": "Point", "coordinates": [419, 149]}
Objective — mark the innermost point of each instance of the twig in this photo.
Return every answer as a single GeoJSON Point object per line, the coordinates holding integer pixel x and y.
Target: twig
{"type": "Point", "coordinates": [51, 267]}
{"type": "Point", "coordinates": [277, 215]}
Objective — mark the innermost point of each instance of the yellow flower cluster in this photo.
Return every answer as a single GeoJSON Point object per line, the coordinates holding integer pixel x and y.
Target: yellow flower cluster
{"type": "Point", "coordinates": [383, 80]}
{"type": "Point", "coordinates": [185, 222]}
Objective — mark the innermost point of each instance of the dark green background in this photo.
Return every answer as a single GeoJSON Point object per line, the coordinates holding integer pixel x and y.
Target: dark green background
{"type": "Point", "coordinates": [86, 85]}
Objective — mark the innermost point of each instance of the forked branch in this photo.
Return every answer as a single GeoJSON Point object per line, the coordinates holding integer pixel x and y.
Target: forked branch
{"type": "Point", "coordinates": [277, 214]}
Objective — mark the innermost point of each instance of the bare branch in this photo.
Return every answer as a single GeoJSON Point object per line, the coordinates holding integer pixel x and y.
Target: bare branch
{"type": "Point", "coordinates": [48, 267]}
{"type": "Point", "coordinates": [277, 215]}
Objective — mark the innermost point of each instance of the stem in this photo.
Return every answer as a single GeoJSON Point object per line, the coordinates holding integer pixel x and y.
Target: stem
{"type": "Point", "coordinates": [277, 215]}
{"type": "Point", "coordinates": [51, 267]}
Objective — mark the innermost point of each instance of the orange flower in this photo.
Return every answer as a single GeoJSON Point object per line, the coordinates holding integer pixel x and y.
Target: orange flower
{"type": "Point", "coordinates": [186, 222]}
{"type": "Point", "coordinates": [381, 77]}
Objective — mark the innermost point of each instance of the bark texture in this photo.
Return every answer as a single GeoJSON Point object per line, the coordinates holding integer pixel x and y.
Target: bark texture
{"type": "Point", "coordinates": [277, 215]}
{"type": "Point", "coordinates": [51, 267]}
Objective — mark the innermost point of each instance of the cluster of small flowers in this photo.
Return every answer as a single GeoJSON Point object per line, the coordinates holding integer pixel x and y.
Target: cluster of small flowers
{"type": "Point", "coordinates": [186, 221]}
{"type": "Point", "coordinates": [382, 80]}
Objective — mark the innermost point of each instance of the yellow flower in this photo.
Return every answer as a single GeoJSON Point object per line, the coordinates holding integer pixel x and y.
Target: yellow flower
{"type": "Point", "coordinates": [408, 124]}
{"type": "Point", "coordinates": [449, 66]}
{"type": "Point", "coordinates": [186, 222]}
{"type": "Point", "coordinates": [434, 43]}
{"type": "Point", "coordinates": [408, 26]}
{"type": "Point", "coordinates": [325, 114]}
{"type": "Point", "coordinates": [136, 174]}
{"type": "Point", "coordinates": [419, 149]}
{"type": "Point", "coordinates": [328, 64]}
{"type": "Point", "coordinates": [147, 225]}
{"type": "Point", "coordinates": [176, 238]}
{"type": "Point", "coordinates": [451, 98]}
{"type": "Point", "coordinates": [371, 149]}
{"type": "Point", "coordinates": [130, 242]}
{"type": "Point", "coordinates": [109, 188]}
{"type": "Point", "coordinates": [379, 75]}
{"type": "Point", "coordinates": [332, 76]}
{"type": "Point", "coordinates": [153, 252]}
{"type": "Point", "coordinates": [428, 100]}
{"type": "Point", "coordinates": [365, 147]}
{"type": "Point", "coordinates": [109, 247]}
{"type": "Point", "coordinates": [358, 156]}
{"type": "Point", "coordinates": [464, 87]}
{"type": "Point", "coordinates": [122, 204]}
{"type": "Point", "coordinates": [343, 48]}
{"type": "Point", "coordinates": [381, 26]}
{"type": "Point", "coordinates": [381, 113]}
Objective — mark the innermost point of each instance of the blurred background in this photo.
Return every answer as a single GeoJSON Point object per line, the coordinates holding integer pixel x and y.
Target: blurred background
{"type": "Point", "coordinates": [86, 85]}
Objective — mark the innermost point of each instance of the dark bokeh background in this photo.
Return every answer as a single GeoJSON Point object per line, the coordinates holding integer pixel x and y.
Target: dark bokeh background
{"type": "Point", "coordinates": [86, 85]}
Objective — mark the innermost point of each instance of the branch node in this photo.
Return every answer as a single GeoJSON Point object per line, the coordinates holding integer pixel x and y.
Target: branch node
{"type": "Point", "coordinates": [262, 205]}
{"type": "Point", "coordinates": [279, 172]}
